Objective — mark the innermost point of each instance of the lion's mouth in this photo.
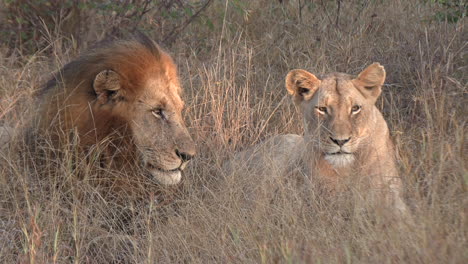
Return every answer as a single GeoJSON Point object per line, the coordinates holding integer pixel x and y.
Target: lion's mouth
{"type": "Point", "coordinates": [166, 177]}
{"type": "Point", "coordinates": [153, 167]}
{"type": "Point", "coordinates": [340, 158]}
{"type": "Point", "coordinates": [340, 153]}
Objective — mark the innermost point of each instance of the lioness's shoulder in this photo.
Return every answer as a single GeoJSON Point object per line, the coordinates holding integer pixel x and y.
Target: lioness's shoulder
{"type": "Point", "coordinates": [274, 155]}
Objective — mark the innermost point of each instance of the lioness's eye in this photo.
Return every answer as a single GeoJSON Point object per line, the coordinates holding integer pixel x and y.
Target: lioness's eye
{"type": "Point", "coordinates": [321, 109]}
{"type": "Point", "coordinates": [355, 109]}
{"type": "Point", "coordinates": [159, 113]}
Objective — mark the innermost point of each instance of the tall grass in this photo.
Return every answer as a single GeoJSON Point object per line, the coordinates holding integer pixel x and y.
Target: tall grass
{"type": "Point", "coordinates": [233, 75]}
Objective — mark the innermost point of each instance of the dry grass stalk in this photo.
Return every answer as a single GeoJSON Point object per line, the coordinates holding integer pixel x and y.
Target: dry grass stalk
{"type": "Point", "coordinates": [234, 75]}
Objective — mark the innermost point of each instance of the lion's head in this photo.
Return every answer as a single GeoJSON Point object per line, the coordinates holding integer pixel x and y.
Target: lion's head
{"type": "Point", "coordinates": [339, 110]}
{"type": "Point", "coordinates": [127, 92]}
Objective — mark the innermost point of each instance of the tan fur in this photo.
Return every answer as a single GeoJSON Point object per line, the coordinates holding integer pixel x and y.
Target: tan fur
{"type": "Point", "coordinates": [340, 110]}
{"type": "Point", "coordinates": [127, 93]}
{"type": "Point", "coordinates": [367, 152]}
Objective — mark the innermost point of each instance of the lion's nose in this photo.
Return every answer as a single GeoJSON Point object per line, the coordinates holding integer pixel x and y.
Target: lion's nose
{"type": "Point", "coordinates": [184, 156]}
{"type": "Point", "coordinates": [340, 142]}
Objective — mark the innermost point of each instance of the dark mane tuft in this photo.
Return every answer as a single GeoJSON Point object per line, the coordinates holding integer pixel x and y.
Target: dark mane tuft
{"type": "Point", "coordinates": [148, 43]}
{"type": "Point", "coordinates": [133, 58]}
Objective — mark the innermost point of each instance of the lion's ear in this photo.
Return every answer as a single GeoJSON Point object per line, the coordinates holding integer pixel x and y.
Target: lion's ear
{"type": "Point", "coordinates": [106, 84]}
{"type": "Point", "coordinates": [302, 85]}
{"type": "Point", "coordinates": [370, 81]}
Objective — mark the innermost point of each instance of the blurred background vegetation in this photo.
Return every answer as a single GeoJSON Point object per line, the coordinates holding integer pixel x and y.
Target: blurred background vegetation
{"type": "Point", "coordinates": [233, 56]}
{"type": "Point", "coordinates": [29, 26]}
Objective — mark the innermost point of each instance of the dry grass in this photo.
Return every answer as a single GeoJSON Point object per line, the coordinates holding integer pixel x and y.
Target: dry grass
{"type": "Point", "coordinates": [234, 81]}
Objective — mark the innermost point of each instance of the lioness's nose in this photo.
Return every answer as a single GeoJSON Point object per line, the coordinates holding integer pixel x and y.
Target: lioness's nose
{"type": "Point", "coordinates": [184, 156]}
{"type": "Point", "coordinates": [340, 142]}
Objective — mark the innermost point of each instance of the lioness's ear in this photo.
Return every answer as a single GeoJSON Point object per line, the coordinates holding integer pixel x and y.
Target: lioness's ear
{"type": "Point", "coordinates": [370, 81]}
{"type": "Point", "coordinates": [106, 84]}
{"type": "Point", "coordinates": [302, 85]}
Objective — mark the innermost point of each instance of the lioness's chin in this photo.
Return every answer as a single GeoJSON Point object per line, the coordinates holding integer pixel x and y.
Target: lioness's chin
{"type": "Point", "coordinates": [339, 160]}
{"type": "Point", "coordinates": [167, 177]}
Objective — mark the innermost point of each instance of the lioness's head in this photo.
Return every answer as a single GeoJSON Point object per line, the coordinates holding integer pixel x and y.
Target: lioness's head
{"type": "Point", "coordinates": [338, 109]}
{"type": "Point", "coordinates": [131, 88]}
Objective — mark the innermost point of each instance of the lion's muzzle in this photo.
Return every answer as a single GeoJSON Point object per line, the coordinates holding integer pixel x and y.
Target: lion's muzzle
{"type": "Point", "coordinates": [167, 176]}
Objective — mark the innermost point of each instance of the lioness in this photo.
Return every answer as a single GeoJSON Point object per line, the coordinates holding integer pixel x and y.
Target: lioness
{"type": "Point", "coordinates": [345, 134]}
{"type": "Point", "coordinates": [126, 93]}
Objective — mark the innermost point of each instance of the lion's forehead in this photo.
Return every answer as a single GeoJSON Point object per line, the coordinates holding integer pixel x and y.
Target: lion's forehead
{"type": "Point", "coordinates": [338, 92]}
{"type": "Point", "coordinates": [162, 93]}
{"type": "Point", "coordinates": [163, 84]}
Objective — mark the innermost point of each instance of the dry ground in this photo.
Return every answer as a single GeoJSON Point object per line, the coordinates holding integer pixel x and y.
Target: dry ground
{"type": "Point", "coordinates": [233, 75]}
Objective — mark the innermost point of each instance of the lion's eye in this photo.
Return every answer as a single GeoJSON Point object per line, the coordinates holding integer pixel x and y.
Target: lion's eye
{"type": "Point", "coordinates": [355, 109]}
{"type": "Point", "coordinates": [159, 113]}
{"type": "Point", "coordinates": [303, 90]}
{"type": "Point", "coordinates": [321, 109]}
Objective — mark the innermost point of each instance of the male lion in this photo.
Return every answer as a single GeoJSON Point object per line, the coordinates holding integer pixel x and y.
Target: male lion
{"type": "Point", "coordinates": [126, 93]}
{"type": "Point", "coordinates": [346, 136]}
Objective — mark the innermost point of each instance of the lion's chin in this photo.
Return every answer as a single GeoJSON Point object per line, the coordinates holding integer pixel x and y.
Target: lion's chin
{"type": "Point", "coordinates": [167, 177]}
{"type": "Point", "coordinates": [339, 160]}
